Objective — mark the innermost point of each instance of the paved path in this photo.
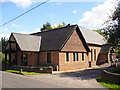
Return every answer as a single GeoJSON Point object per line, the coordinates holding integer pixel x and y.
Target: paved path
{"type": "Point", "coordinates": [78, 79]}
{"type": "Point", "coordinates": [10, 80]}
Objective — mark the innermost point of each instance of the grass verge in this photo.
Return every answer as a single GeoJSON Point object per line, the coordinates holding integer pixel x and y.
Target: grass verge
{"type": "Point", "coordinates": [25, 72]}
{"type": "Point", "coordinates": [107, 84]}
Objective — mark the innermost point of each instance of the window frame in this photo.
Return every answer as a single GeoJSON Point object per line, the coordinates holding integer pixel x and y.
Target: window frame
{"type": "Point", "coordinates": [67, 57]}
{"type": "Point", "coordinates": [83, 57]}
{"type": "Point", "coordinates": [77, 59]}
{"type": "Point", "coordinates": [91, 54]}
{"type": "Point", "coordinates": [95, 55]}
{"type": "Point", "coordinates": [49, 60]}
{"type": "Point", "coordinates": [74, 56]}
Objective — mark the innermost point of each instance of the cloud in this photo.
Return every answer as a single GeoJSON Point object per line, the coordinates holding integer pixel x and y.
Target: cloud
{"type": "Point", "coordinates": [57, 3]}
{"type": "Point", "coordinates": [5, 29]}
{"type": "Point", "coordinates": [16, 25]}
{"type": "Point", "coordinates": [36, 29]}
{"type": "Point", "coordinates": [74, 11]}
{"type": "Point", "coordinates": [96, 17]}
{"type": "Point", "coordinates": [28, 32]}
{"type": "Point", "coordinates": [4, 35]}
{"type": "Point", "coordinates": [24, 32]}
{"type": "Point", "coordinates": [22, 3]}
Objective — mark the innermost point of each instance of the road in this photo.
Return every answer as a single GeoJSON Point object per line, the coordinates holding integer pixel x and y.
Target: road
{"type": "Point", "coordinates": [10, 80]}
{"type": "Point", "coordinates": [78, 79]}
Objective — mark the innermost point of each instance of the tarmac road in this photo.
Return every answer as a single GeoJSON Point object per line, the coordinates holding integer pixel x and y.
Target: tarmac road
{"type": "Point", "coordinates": [10, 80]}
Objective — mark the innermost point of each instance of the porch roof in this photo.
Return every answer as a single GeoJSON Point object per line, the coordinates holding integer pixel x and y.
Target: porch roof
{"type": "Point", "coordinates": [28, 42]}
{"type": "Point", "coordinates": [105, 49]}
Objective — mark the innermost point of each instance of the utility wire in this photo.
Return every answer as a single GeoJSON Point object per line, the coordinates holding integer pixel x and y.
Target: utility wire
{"type": "Point", "coordinates": [24, 13]}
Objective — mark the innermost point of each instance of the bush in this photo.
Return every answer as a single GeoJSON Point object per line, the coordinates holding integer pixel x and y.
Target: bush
{"type": "Point", "coordinates": [2, 57]}
{"type": "Point", "coordinates": [116, 70]}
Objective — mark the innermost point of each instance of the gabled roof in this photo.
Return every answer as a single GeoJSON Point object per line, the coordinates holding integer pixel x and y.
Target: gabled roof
{"type": "Point", "coordinates": [55, 39]}
{"type": "Point", "coordinates": [27, 42]}
{"type": "Point", "coordinates": [92, 37]}
{"type": "Point", "coordinates": [105, 49]}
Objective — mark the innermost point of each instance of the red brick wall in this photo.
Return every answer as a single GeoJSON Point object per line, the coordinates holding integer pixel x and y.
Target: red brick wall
{"type": "Point", "coordinates": [54, 58]}
{"type": "Point", "coordinates": [93, 61]}
{"type": "Point", "coordinates": [74, 44]}
{"type": "Point", "coordinates": [72, 65]}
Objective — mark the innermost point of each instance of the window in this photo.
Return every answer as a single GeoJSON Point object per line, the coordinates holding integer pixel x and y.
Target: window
{"type": "Point", "coordinates": [48, 57]}
{"type": "Point", "coordinates": [82, 56]}
{"type": "Point", "coordinates": [67, 56]}
{"type": "Point", "coordinates": [75, 56]}
{"type": "Point", "coordinates": [91, 55]}
{"type": "Point", "coordinates": [95, 54]}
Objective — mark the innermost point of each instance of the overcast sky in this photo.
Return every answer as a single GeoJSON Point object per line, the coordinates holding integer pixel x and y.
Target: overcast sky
{"type": "Point", "coordinates": [90, 14]}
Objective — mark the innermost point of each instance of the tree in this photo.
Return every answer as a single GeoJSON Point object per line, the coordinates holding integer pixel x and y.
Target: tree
{"type": "Point", "coordinates": [101, 32]}
{"type": "Point", "coordinates": [0, 46]}
{"type": "Point", "coordinates": [48, 26]}
{"type": "Point", "coordinates": [4, 43]}
{"type": "Point", "coordinates": [112, 29]}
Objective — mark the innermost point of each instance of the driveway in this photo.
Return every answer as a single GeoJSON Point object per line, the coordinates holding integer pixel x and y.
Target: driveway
{"type": "Point", "coordinates": [78, 79]}
{"type": "Point", "coordinates": [10, 80]}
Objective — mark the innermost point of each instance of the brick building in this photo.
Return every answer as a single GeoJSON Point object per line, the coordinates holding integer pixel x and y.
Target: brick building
{"type": "Point", "coordinates": [67, 48]}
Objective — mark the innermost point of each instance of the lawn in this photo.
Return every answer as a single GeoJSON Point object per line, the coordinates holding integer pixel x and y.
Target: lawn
{"type": "Point", "coordinates": [25, 72]}
{"type": "Point", "coordinates": [107, 84]}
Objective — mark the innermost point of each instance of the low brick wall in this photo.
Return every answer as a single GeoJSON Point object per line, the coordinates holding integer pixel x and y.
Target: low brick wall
{"type": "Point", "coordinates": [33, 69]}
{"type": "Point", "coordinates": [111, 77]}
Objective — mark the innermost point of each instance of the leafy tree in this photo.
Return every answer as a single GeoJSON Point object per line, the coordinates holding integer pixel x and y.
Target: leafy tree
{"type": "Point", "coordinates": [0, 46]}
{"type": "Point", "coordinates": [101, 32]}
{"type": "Point", "coordinates": [4, 43]}
{"type": "Point", "coordinates": [48, 26]}
{"type": "Point", "coordinates": [112, 29]}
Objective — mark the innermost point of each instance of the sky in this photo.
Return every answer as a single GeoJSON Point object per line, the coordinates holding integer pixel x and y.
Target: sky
{"type": "Point", "coordinates": [86, 13]}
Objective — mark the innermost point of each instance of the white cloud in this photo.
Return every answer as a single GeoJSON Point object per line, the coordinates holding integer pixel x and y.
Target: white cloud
{"type": "Point", "coordinates": [4, 35]}
{"type": "Point", "coordinates": [57, 3]}
{"type": "Point", "coordinates": [16, 25]}
{"type": "Point", "coordinates": [96, 17]}
{"type": "Point", "coordinates": [74, 11]}
{"type": "Point", "coordinates": [22, 3]}
{"type": "Point", "coordinates": [5, 29]}
{"type": "Point", "coordinates": [24, 32]}
{"type": "Point", "coordinates": [36, 29]}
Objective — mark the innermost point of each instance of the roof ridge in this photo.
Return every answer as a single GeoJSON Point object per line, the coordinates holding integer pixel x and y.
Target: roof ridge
{"type": "Point", "coordinates": [54, 29]}
{"type": "Point", "coordinates": [25, 34]}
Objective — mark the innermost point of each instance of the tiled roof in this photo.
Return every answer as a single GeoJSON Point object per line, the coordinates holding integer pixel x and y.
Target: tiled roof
{"type": "Point", "coordinates": [55, 39]}
{"type": "Point", "coordinates": [105, 49]}
{"type": "Point", "coordinates": [27, 42]}
{"type": "Point", "coordinates": [92, 37]}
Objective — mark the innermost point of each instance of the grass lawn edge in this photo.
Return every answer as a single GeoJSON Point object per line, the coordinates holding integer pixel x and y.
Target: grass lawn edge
{"type": "Point", "coordinates": [25, 72]}
{"type": "Point", "coordinates": [104, 83]}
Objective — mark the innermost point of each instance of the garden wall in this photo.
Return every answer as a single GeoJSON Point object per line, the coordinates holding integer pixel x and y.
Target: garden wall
{"type": "Point", "coordinates": [111, 77]}
{"type": "Point", "coordinates": [33, 69]}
